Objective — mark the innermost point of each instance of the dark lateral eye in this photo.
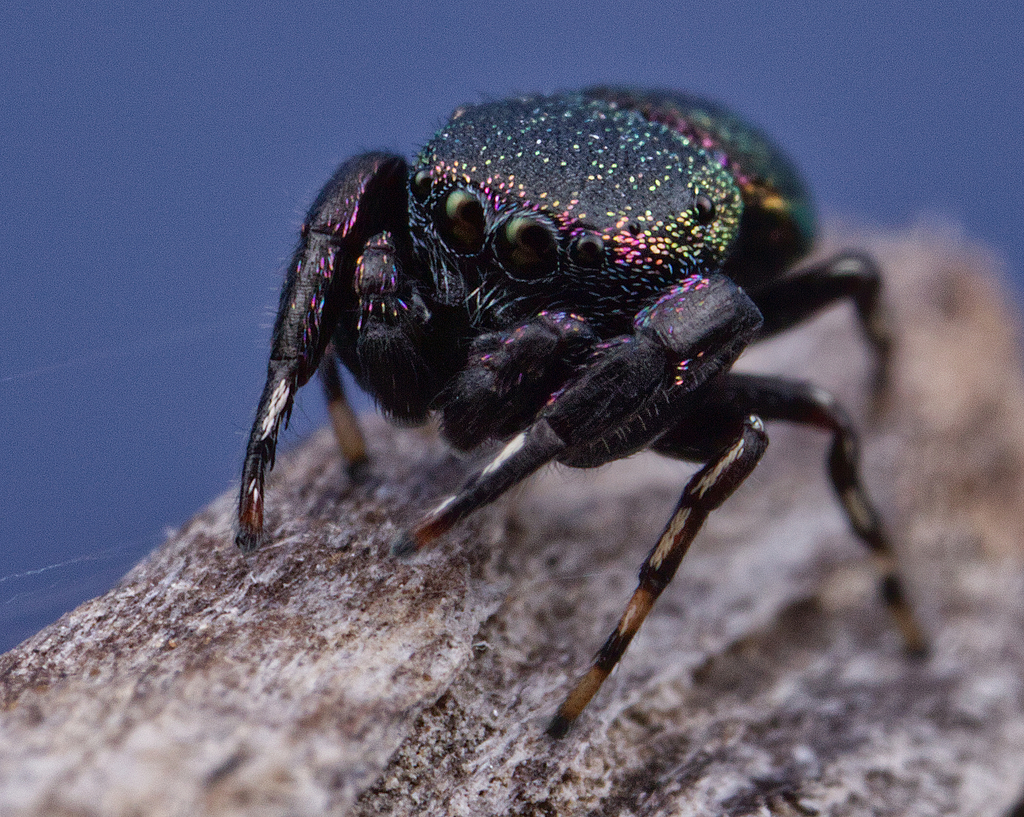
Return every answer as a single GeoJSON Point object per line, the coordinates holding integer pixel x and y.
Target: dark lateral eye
{"type": "Point", "coordinates": [587, 251]}
{"type": "Point", "coordinates": [527, 247]}
{"type": "Point", "coordinates": [704, 208]}
{"type": "Point", "coordinates": [421, 185]}
{"type": "Point", "coordinates": [461, 222]}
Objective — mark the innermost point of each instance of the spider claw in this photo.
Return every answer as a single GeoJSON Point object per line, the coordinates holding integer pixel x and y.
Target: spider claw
{"type": "Point", "coordinates": [249, 535]}
{"type": "Point", "coordinates": [559, 726]}
{"type": "Point", "coordinates": [404, 545]}
{"type": "Point", "coordinates": [359, 471]}
{"type": "Point", "coordinates": [247, 541]}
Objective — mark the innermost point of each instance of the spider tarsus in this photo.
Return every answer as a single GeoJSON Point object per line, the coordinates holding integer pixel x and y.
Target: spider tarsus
{"type": "Point", "coordinates": [915, 644]}
{"type": "Point", "coordinates": [359, 471]}
{"type": "Point", "coordinates": [559, 726]}
{"type": "Point", "coordinates": [404, 545]}
{"type": "Point", "coordinates": [918, 652]}
{"type": "Point", "coordinates": [247, 541]}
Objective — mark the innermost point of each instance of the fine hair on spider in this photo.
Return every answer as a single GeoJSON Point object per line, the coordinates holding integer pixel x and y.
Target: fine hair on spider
{"type": "Point", "coordinates": [573, 276]}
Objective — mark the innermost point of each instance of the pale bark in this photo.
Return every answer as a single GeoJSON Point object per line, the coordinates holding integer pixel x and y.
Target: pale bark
{"type": "Point", "coordinates": [321, 676]}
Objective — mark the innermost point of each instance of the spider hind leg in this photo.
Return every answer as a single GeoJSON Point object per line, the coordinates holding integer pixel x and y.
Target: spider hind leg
{"type": "Point", "coordinates": [707, 490]}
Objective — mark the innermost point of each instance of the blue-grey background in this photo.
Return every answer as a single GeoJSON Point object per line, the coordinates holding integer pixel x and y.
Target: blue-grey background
{"type": "Point", "coordinates": [156, 158]}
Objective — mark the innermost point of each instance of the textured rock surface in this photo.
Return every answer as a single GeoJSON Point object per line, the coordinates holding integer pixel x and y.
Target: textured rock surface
{"type": "Point", "coordinates": [323, 677]}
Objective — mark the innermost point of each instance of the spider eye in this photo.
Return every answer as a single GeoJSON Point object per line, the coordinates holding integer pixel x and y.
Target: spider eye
{"type": "Point", "coordinates": [527, 246]}
{"type": "Point", "coordinates": [587, 251]}
{"type": "Point", "coordinates": [461, 222]}
{"type": "Point", "coordinates": [704, 208]}
{"type": "Point", "coordinates": [421, 185]}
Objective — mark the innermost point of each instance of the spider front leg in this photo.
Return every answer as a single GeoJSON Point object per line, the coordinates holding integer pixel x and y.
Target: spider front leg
{"type": "Point", "coordinates": [510, 375]}
{"type": "Point", "coordinates": [620, 399]}
{"type": "Point", "coordinates": [707, 489]}
{"type": "Point", "coordinates": [366, 196]}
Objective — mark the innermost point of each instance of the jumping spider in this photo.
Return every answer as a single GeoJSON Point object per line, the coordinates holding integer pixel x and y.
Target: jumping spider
{"type": "Point", "coordinates": [572, 276]}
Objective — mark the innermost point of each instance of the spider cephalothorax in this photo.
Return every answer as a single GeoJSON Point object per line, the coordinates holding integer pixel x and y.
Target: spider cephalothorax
{"type": "Point", "coordinates": [572, 276]}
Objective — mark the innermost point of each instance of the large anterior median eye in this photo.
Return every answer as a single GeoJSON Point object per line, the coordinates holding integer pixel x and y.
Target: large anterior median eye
{"type": "Point", "coordinates": [461, 223]}
{"type": "Point", "coordinates": [526, 247]}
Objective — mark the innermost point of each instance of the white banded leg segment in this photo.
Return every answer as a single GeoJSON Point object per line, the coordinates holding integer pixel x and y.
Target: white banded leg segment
{"type": "Point", "coordinates": [521, 456]}
{"type": "Point", "coordinates": [707, 489]}
{"type": "Point", "coordinates": [274, 408]}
